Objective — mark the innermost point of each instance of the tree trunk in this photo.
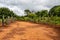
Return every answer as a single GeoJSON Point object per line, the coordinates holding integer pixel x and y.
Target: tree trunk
{"type": "Point", "coordinates": [2, 20]}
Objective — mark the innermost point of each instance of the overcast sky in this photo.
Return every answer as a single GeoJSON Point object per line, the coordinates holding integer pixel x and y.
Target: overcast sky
{"type": "Point", "coordinates": [18, 6]}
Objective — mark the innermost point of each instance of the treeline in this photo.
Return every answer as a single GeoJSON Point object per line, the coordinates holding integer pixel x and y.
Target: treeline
{"type": "Point", "coordinates": [44, 16]}
{"type": "Point", "coordinates": [52, 16]}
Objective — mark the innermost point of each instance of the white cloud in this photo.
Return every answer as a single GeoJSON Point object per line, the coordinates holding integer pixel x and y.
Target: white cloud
{"type": "Point", "coordinates": [18, 6]}
{"type": "Point", "coordinates": [17, 10]}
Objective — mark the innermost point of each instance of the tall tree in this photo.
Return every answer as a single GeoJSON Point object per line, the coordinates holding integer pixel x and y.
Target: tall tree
{"type": "Point", "coordinates": [27, 11]}
{"type": "Point", "coordinates": [4, 13]}
{"type": "Point", "coordinates": [42, 13]}
{"type": "Point", "coordinates": [55, 11]}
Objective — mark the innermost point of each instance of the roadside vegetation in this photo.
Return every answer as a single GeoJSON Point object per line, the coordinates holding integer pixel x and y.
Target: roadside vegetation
{"type": "Point", "coordinates": [44, 16]}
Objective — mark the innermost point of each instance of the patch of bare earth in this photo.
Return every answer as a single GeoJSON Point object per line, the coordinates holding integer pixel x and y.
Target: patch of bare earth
{"type": "Point", "coordinates": [28, 31]}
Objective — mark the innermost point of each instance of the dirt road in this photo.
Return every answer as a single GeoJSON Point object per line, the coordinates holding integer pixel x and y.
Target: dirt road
{"type": "Point", "coordinates": [28, 31]}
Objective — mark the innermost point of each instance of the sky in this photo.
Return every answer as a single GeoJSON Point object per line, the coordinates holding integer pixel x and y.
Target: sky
{"type": "Point", "coordinates": [18, 6]}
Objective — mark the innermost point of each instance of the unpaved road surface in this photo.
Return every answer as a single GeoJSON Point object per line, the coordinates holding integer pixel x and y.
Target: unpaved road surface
{"type": "Point", "coordinates": [28, 31]}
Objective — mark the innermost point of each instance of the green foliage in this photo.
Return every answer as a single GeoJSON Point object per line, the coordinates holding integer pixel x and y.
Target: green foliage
{"type": "Point", "coordinates": [42, 13]}
{"type": "Point", "coordinates": [5, 13]}
{"type": "Point", "coordinates": [55, 11]}
{"type": "Point", "coordinates": [43, 16]}
{"type": "Point", "coordinates": [27, 11]}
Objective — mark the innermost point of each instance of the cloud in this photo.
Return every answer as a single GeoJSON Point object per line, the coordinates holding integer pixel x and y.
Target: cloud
{"type": "Point", "coordinates": [18, 6]}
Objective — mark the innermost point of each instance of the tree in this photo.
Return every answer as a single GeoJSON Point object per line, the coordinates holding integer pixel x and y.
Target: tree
{"type": "Point", "coordinates": [27, 11]}
{"type": "Point", "coordinates": [42, 13]}
{"type": "Point", "coordinates": [31, 15]}
{"type": "Point", "coordinates": [55, 11]}
{"type": "Point", "coordinates": [5, 13]}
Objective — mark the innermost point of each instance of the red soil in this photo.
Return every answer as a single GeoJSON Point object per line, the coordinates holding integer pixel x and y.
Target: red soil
{"type": "Point", "coordinates": [28, 31]}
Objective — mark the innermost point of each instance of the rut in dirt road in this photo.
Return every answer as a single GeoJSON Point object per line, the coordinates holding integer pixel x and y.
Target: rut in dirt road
{"type": "Point", "coordinates": [17, 31]}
